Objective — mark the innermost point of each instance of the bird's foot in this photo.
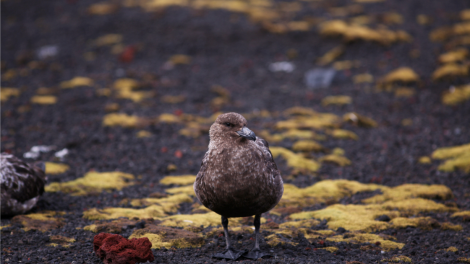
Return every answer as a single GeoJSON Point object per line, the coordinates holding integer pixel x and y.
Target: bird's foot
{"type": "Point", "coordinates": [255, 254]}
{"type": "Point", "coordinates": [229, 254]}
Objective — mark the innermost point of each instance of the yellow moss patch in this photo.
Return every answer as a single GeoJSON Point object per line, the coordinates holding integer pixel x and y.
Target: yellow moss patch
{"type": "Point", "coordinates": [336, 100]}
{"type": "Point", "coordinates": [6, 93]}
{"type": "Point", "coordinates": [108, 39]}
{"type": "Point", "coordinates": [179, 59]}
{"type": "Point", "coordinates": [331, 55]}
{"type": "Point", "coordinates": [406, 191]}
{"type": "Point", "coordinates": [144, 134]}
{"type": "Point", "coordinates": [359, 238]}
{"type": "Point", "coordinates": [327, 190]}
{"type": "Point", "coordinates": [452, 249]}
{"type": "Point", "coordinates": [43, 221]}
{"type": "Point", "coordinates": [56, 168]}
{"type": "Point", "coordinates": [135, 96]}
{"type": "Point", "coordinates": [189, 190]}
{"type": "Point", "coordinates": [363, 78]}
{"type": "Point", "coordinates": [425, 223]}
{"type": "Point", "coordinates": [168, 118]}
{"type": "Point", "coordinates": [307, 145]}
{"type": "Point", "coordinates": [308, 223]}
{"type": "Point", "coordinates": [61, 240]}
{"type": "Point", "coordinates": [153, 211]}
{"type": "Point", "coordinates": [464, 260]}
{"type": "Point", "coordinates": [44, 99]}
{"type": "Point", "coordinates": [169, 204]}
{"type": "Point", "coordinates": [403, 74]}
{"type": "Point", "coordinates": [351, 217]}
{"type": "Point", "coordinates": [336, 159]}
{"type": "Point", "coordinates": [424, 160]}
{"type": "Point", "coordinates": [416, 205]}
{"type": "Point", "coordinates": [404, 92]}
{"type": "Point", "coordinates": [76, 82]}
{"type": "Point", "coordinates": [359, 120]}
{"type": "Point", "coordinates": [450, 70]}
{"type": "Point", "coordinates": [450, 226]}
{"type": "Point", "coordinates": [453, 56]}
{"type": "Point", "coordinates": [178, 180]}
{"type": "Point", "coordinates": [4, 226]}
{"type": "Point", "coordinates": [397, 259]}
{"type": "Point", "coordinates": [120, 119]}
{"type": "Point", "coordinates": [456, 95]}
{"type": "Point", "coordinates": [343, 134]}
{"type": "Point", "coordinates": [307, 118]}
{"type": "Point", "coordinates": [102, 8]}
{"type": "Point", "coordinates": [355, 31]}
{"type": "Point", "coordinates": [330, 249]}
{"type": "Point", "coordinates": [167, 237]}
{"type": "Point", "coordinates": [93, 182]}
{"type": "Point", "coordinates": [173, 99]}
{"type": "Point", "coordinates": [125, 83]}
{"type": "Point", "coordinates": [296, 161]}
{"type": "Point", "coordinates": [114, 226]}
{"type": "Point", "coordinates": [464, 214]}
{"type": "Point", "coordinates": [457, 158]}
{"type": "Point", "coordinates": [290, 134]}
{"type": "Point", "coordinates": [197, 220]}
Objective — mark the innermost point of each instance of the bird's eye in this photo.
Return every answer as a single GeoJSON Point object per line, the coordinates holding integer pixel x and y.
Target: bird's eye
{"type": "Point", "coordinates": [228, 124]}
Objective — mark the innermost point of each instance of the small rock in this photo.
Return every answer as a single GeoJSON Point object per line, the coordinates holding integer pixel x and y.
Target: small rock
{"type": "Point", "coordinates": [116, 249]}
{"type": "Point", "coordinates": [319, 78]}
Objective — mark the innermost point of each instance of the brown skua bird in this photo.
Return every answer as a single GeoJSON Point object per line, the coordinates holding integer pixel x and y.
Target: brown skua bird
{"type": "Point", "coordinates": [238, 178]}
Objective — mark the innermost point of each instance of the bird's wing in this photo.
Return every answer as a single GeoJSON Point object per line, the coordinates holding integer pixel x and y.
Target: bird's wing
{"type": "Point", "coordinates": [21, 180]}
{"type": "Point", "coordinates": [264, 146]}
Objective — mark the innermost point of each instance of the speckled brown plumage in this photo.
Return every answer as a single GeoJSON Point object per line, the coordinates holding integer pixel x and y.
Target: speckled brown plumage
{"type": "Point", "coordinates": [238, 176]}
{"type": "Point", "coordinates": [21, 185]}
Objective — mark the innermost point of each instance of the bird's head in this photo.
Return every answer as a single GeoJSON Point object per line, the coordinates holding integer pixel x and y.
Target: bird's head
{"type": "Point", "coordinates": [231, 125]}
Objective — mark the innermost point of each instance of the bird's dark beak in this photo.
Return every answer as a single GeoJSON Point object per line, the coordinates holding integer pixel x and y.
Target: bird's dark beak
{"type": "Point", "coordinates": [247, 133]}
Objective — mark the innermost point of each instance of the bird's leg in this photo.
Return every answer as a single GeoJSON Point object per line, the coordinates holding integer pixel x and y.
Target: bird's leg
{"type": "Point", "coordinates": [229, 252]}
{"type": "Point", "coordinates": [256, 253]}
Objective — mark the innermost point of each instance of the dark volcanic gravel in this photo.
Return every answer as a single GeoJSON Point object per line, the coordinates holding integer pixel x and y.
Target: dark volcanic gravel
{"type": "Point", "coordinates": [226, 49]}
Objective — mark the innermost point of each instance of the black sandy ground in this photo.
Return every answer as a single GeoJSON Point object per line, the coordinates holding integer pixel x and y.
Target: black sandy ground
{"type": "Point", "coordinates": [230, 51]}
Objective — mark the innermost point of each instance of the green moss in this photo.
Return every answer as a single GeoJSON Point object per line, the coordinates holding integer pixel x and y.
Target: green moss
{"type": "Point", "coordinates": [93, 182]}
{"type": "Point", "coordinates": [450, 226]}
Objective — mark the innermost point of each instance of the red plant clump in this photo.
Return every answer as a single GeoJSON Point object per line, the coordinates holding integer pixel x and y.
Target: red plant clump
{"type": "Point", "coordinates": [116, 249]}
